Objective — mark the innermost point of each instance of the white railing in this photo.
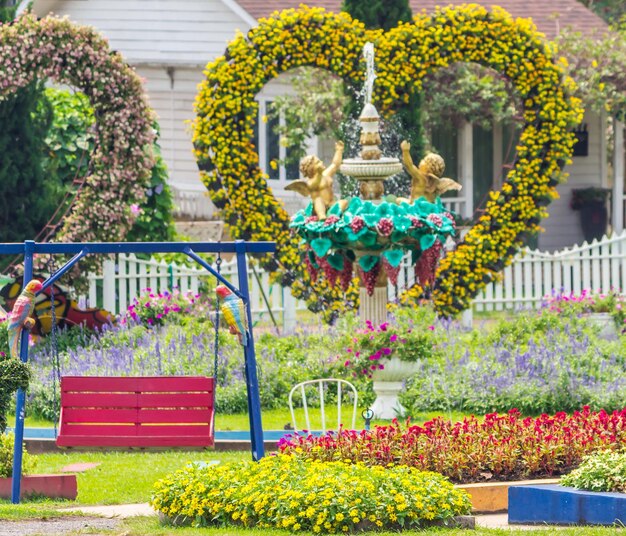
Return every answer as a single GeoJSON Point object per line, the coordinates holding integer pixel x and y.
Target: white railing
{"type": "Point", "coordinates": [127, 277]}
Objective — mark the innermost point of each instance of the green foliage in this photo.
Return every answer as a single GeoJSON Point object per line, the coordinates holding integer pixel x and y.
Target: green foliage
{"type": "Point", "coordinates": [468, 92]}
{"type": "Point", "coordinates": [385, 14]}
{"type": "Point", "coordinates": [7, 10]}
{"type": "Point", "coordinates": [609, 10]}
{"type": "Point", "coordinates": [316, 108]}
{"type": "Point", "coordinates": [7, 444]}
{"type": "Point", "coordinates": [598, 65]}
{"type": "Point", "coordinates": [26, 198]}
{"type": "Point", "coordinates": [602, 471]}
{"type": "Point", "coordinates": [70, 139]}
{"type": "Point", "coordinates": [13, 375]}
{"type": "Point", "coordinates": [70, 143]}
{"type": "Point", "coordinates": [325, 497]}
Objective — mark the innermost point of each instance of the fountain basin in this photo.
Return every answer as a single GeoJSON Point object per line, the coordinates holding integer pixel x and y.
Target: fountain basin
{"type": "Point", "coordinates": [375, 169]}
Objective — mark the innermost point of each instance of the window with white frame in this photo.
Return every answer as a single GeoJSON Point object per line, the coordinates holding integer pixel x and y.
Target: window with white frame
{"type": "Point", "coordinates": [272, 153]}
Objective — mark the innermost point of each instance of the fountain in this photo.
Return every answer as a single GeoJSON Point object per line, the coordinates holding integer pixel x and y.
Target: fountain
{"type": "Point", "coordinates": [370, 231]}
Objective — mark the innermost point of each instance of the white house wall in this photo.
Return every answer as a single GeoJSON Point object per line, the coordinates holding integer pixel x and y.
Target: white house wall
{"type": "Point", "coordinates": [162, 31]}
{"type": "Point", "coordinates": [562, 227]}
{"type": "Point", "coordinates": [168, 43]}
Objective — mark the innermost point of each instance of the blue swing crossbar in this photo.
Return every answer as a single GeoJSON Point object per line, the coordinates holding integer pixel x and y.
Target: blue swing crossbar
{"type": "Point", "coordinates": [30, 248]}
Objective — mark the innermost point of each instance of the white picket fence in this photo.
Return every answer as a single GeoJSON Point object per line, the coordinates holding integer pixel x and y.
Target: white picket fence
{"type": "Point", "coordinates": [532, 275]}
{"type": "Point", "coordinates": [127, 277]}
{"type": "Point", "coordinates": [599, 266]}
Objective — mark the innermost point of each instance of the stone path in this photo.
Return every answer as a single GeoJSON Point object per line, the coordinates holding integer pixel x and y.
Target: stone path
{"type": "Point", "coordinates": [108, 518]}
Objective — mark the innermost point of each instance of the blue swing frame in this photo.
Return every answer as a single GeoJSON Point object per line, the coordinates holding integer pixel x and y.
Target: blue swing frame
{"type": "Point", "coordinates": [30, 248]}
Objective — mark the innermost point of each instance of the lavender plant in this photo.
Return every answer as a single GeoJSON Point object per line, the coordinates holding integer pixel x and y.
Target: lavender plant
{"type": "Point", "coordinates": [560, 368]}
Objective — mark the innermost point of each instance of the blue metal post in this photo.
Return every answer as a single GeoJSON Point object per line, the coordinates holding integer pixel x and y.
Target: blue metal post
{"type": "Point", "coordinates": [29, 247]}
{"type": "Point", "coordinates": [252, 381]}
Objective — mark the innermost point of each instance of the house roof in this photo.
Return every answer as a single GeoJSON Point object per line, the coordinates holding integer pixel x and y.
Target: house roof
{"type": "Point", "coordinates": [550, 16]}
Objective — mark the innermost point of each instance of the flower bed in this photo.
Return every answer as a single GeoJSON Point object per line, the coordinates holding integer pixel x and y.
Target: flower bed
{"type": "Point", "coordinates": [500, 447]}
{"type": "Point", "coordinates": [296, 494]}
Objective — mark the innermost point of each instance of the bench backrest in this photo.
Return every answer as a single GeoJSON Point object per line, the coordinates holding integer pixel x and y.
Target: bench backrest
{"type": "Point", "coordinates": [164, 411]}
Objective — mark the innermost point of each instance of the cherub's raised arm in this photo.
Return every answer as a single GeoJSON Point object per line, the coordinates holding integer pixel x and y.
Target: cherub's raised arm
{"type": "Point", "coordinates": [337, 159]}
{"type": "Point", "coordinates": [411, 168]}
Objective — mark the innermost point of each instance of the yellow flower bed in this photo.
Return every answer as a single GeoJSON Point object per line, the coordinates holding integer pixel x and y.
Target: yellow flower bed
{"type": "Point", "coordinates": [229, 163]}
{"type": "Point", "coordinates": [304, 495]}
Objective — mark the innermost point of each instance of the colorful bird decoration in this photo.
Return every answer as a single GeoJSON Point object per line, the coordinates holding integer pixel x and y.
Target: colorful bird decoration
{"type": "Point", "coordinates": [234, 312]}
{"type": "Point", "coordinates": [20, 317]}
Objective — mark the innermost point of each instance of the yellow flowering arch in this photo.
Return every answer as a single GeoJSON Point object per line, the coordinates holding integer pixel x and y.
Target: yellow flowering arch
{"type": "Point", "coordinates": [226, 113]}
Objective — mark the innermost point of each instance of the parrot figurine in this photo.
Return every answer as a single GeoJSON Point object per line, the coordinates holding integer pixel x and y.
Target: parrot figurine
{"type": "Point", "coordinates": [234, 311]}
{"type": "Point", "coordinates": [20, 316]}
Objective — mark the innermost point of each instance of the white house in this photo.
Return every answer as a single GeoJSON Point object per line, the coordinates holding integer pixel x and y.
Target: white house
{"type": "Point", "coordinates": [170, 42]}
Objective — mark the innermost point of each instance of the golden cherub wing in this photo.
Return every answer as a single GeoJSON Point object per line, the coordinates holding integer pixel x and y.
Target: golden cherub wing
{"type": "Point", "coordinates": [299, 186]}
{"type": "Point", "coordinates": [444, 184]}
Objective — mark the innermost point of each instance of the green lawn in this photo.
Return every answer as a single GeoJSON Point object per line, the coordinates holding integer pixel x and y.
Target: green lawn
{"type": "Point", "coordinates": [126, 477]}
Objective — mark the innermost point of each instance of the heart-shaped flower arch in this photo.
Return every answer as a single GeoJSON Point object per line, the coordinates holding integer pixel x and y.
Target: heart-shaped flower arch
{"type": "Point", "coordinates": [53, 48]}
{"type": "Point", "coordinates": [226, 113]}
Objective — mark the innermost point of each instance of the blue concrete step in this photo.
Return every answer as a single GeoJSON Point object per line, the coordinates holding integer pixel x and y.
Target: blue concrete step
{"type": "Point", "coordinates": [561, 505]}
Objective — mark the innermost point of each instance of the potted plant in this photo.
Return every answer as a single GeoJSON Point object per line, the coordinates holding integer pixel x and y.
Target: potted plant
{"type": "Point", "coordinates": [591, 202]}
{"type": "Point", "coordinates": [389, 355]}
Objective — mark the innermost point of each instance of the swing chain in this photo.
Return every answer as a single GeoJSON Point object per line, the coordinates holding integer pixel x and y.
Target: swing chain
{"type": "Point", "coordinates": [56, 363]}
{"type": "Point", "coordinates": [216, 345]}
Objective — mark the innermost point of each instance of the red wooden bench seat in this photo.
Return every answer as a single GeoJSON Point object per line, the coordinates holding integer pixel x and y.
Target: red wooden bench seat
{"type": "Point", "coordinates": [163, 411]}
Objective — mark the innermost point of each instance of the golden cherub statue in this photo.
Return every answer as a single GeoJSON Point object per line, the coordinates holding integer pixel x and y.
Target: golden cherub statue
{"type": "Point", "coordinates": [319, 181]}
{"type": "Point", "coordinates": [426, 179]}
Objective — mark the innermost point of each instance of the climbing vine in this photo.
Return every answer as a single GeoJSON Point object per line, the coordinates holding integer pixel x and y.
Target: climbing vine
{"type": "Point", "coordinates": [69, 54]}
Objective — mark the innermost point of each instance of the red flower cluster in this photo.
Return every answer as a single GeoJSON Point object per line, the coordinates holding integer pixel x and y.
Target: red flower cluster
{"type": "Point", "coordinates": [499, 447]}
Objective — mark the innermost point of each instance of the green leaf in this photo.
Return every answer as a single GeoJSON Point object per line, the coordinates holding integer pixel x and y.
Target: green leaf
{"type": "Point", "coordinates": [321, 246]}
{"type": "Point", "coordinates": [336, 261]}
{"type": "Point", "coordinates": [394, 257]}
{"type": "Point", "coordinates": [368, 239]}
{"type": "Point", "coordinates": [367, 262]}
{"type": "Point", "coordinates": [426, 241]}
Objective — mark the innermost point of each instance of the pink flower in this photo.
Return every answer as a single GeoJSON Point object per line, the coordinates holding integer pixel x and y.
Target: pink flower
{"type": "Point", "coordinates": [134, 208]}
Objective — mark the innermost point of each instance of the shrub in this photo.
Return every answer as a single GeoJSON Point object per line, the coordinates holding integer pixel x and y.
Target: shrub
{"type": "Point", "coordinates": [303, 495]}
{"type": "Point", "coordinates": [14, 375]}
{"type": "Point", "coordinates": [500, 447]}
{"type": "Point", "coordinates": [601, 471]}
{"type": "Point", "coordinates": [7, 445]}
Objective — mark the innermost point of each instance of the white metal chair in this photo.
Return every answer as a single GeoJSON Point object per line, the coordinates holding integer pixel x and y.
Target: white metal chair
{"type": "Point", "coordinates": [322, 387]}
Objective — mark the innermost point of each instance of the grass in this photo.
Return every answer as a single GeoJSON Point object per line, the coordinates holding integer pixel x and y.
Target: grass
{"type": "Point", "coordinates": [32, 510]}
{"type": "Point", "coordinates": [125, 477]}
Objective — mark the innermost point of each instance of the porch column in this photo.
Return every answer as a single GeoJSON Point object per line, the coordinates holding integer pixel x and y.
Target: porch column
{"type": "Point", "coordinates": [618, 178]}
{"type": "Point", "coordinates": [466, 166]}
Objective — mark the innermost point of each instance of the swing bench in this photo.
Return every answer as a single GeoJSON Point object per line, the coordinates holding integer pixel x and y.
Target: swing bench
{"type": "Point", "coordinates": [136, 412]}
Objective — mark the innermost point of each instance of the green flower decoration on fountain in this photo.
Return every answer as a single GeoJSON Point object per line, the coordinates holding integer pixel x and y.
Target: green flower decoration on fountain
{"type": "Point", "coordinates": [373, 233]}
